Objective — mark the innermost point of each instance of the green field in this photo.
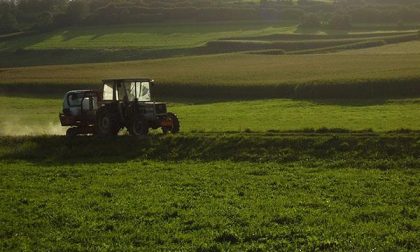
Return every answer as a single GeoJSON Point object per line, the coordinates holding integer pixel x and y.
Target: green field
{"type": "Point", "coordinates": [290, 140]}
{"type": "Point", "coordinates": [154, 36]}
{"type": "Point", "coordinates": [400, 48]}
{"type": "Point", "coordinates": [245, 75]}
{"type": "Point", "coordinates": [236, 69]}
{"type": "Point", "coordinates": [334, 196]}
{"type": "Point", "coordinates": [96, 44]}
{"type": "Point", "coordinates": [207, 206]}
{"type": "Point", "coordinates": [142, 36]}
{"type": "Point", "coordinates": [40, 116]}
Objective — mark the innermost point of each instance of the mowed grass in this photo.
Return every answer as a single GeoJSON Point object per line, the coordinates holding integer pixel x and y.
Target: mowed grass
{"type": "Point", "coordinates": [211, 206]}
{"type": "Point", "coordinates": [150, 36]}
{"type": "Point", "coordinates": [230, 69]}
{"type": "Point", "coordinates": [23, 116]}
{"type": "Point", "coordinates": [283, 115]}
{"type": "Point", "coordinates": [411, 47]}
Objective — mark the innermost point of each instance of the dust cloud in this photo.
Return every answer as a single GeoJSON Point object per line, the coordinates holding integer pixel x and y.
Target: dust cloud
{"type": "Point", "coordinates": [15, 128]}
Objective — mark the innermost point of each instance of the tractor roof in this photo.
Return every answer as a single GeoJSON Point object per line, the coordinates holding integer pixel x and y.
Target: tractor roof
{"type": "Point", "coordinates": [82, 91]}
{"type": "Point", "coordinates": [129, 79]}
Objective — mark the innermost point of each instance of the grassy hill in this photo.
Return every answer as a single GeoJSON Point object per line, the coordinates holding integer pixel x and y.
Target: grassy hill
{"type": "Point", "coordinates": [239, 75]}
{"type": "Point", "coordinates": [147, 36]}
{"type": "Point", "coordinates": [150, 41]}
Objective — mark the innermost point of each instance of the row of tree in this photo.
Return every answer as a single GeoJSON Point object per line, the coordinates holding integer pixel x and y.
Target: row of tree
{"type": "Point", "coordinates": [44, 15]}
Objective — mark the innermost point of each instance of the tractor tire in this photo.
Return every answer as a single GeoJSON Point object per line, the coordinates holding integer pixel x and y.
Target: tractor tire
{"type": "Point", "coordinates": [72, 132]}
{"type": "Point", "coordinates": [138, 127]}
{"type": "Point", "coordinates": [107, 124]}
{"type": "Point", "coordinates": [175, 124]}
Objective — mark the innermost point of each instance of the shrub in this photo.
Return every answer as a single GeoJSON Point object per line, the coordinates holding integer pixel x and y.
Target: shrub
{"type": "Point", "coordinates": [340, 22]}
{"type": "Point", "coordinates": [8, 23]}
{"type": "Point", "coordinates": [310, 21]}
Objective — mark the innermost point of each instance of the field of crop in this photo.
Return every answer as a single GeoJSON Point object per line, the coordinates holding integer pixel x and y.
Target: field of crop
{"type": "Point", "coordinates": [40, 116]}
{"type": "Point", "coordinates": [400, 48]}
{"type": "Point", "coordinates": [141, 36]}
{"type": "Point", "coordinates": [77, 45]}
{"type": "Point", "coordinates": [310, 193]}
{"type": "Point", "coordinates": [240, 76]}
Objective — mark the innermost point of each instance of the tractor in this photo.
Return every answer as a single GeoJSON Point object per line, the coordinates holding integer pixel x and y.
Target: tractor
{"type": "Point", "coordinates": [122, 103]}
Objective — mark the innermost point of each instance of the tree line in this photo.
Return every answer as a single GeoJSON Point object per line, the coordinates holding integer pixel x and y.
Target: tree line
{"type": "Point", "coordinates": [44, 15]}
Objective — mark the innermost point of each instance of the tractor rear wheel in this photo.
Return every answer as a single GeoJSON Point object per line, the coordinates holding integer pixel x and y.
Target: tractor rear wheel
{"type": "Point", "coordinates": [138, 127]}
{"type": "Point", "coordinates": [175, 124]}
{"type": "Point", "coordinates": [107, 124]}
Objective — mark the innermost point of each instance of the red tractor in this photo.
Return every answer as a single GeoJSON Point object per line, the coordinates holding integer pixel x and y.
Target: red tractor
{"type": "Point", "coordinates": [122, 103]}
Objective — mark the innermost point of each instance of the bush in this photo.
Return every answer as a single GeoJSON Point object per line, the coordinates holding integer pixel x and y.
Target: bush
{"type": "Point", "coordinates": [44, 22]}
{"type": "Point", "coordinates": [340, 22]}
{"type": "Point", "coordinates": [8, 23]}
{"type": "Point", "coordinates": [310, 21]}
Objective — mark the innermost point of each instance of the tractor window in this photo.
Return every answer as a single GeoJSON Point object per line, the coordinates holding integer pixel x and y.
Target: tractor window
{"type": "Point", "coordinates": [144, 94]}
{"type": "Point", "coordinates": [108, 96]}
{"type": "Point", "coordinates": [90, 103]}
{"type": "Point", "coordinates": [120, 92]}
{"type": "Point", "coordinates": [131, 90]}
{"type": "Point", "coordinates": [75, 99]}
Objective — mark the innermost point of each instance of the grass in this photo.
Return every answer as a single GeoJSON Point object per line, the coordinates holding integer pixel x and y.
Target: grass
{"type": "Point", "coordinates": [252, 76]}
{"type": "Point", "coordinates": [141, 36]}
{"type": "Point", "coordinates": [40, 116]}
{"type": "Point", "coordinates": [233, 69]}
{"type": "Point", "coordinates": [246, 173]}
{"type": "Point", "coordinates": [152, 41]}
{"type": "Point", "coordinates": [116, 199]}
{"type": "Point", "coordinates": [174, 35]}
{"type": "Point", "coordinates": [400, 48]}
{"type": "Point", "coordinates": [295, 43]}
{"type": "Point", "coordinates": [206, 207]}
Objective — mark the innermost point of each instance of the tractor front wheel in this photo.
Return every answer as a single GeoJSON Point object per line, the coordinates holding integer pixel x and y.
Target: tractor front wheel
{"type": "Point", "coordinates": [72, 132]}
{"type": "Point", "coordinates": [138, 127]}
{"type": "Point", "coordinates": [174, 128]}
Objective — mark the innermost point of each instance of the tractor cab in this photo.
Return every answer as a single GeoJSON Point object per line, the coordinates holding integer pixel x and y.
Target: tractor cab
{"type": "Point", "coordinates": [127, 90]}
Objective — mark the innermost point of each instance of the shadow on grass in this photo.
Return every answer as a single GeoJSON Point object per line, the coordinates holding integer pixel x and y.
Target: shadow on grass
{"type": "Point", "coordinates": [248, 147]}
{"type": "Point", "coordinates": [375, 90]}
{"type": "Point", "coordinates": [351, 102]}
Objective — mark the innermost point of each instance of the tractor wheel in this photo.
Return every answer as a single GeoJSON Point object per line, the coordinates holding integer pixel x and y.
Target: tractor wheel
{"type": "Point", "coordinates": [138, 127]}
{"type": "Point", "coordinates": [107, 124]}
{"type": "Point", "coordinates": [72, 132]}
{"type": "Point", "coordinates": [175, 124]}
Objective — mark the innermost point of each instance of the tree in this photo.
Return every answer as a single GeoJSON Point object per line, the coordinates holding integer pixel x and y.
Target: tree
{"type": "Point", "coordinates": [8, 23]}
{"type": "Point", "coordinates": [44, 22]}
{"type": "Point", "coordinates": [77, 11]}
{"type": "Point", "coordinates": [310, 21]}
{"type": "Point", "coordinates": [340, 21]}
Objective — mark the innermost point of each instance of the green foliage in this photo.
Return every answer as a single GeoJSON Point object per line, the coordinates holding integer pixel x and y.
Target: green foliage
{"type": "Point", "coordinates": [340, 21]}
{"type": "Point", "coordinates": [127, 202]}
{"type": "Point", "coordinates": [77, 11]}
{"type": "Point", "coordinates": [310, 21]}
{"type": "Point", "coordinates": [8, 23]}
{"type": "Point", "coordinates": [89, 12]}
{"type": "Point", "coordinates": [44, 22]}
